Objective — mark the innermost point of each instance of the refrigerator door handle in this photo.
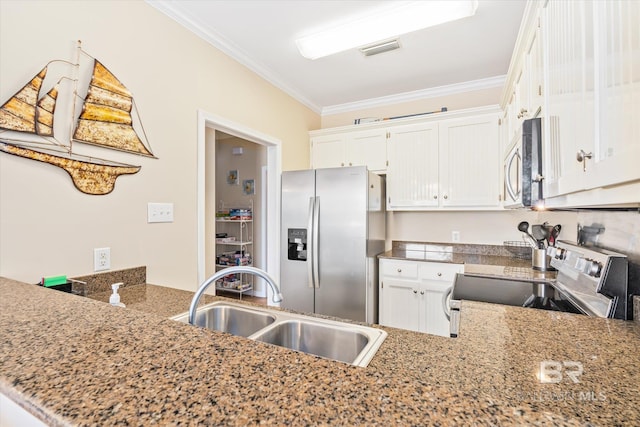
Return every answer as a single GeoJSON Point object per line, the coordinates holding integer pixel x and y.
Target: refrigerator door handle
{"type": "Point", "coordinates": [310, 240]}
{"type": "Point", "coordinates": [316, 242]}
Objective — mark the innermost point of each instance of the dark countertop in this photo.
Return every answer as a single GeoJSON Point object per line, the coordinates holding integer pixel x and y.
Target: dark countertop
{"type": "Point", "coordinates": [72, 360]}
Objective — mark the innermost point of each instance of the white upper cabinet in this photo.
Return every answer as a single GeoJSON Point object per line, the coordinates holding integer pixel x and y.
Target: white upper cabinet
{"type": "Point", "coordinates": [470, 162]}
{"type": "Point", "coordinates": [367, 148]}
{"type": "Point", "coordinates": [328, 151]}
{"type": "Point", "coordinates": [535, 64]}
{"type": "Point", "coordinates": [526, 99]}
{"type": "Point", "coordinates": [616, 155]}
{"type": "Point", "coordinates": [350, 148]}
{"type": "Point", "coordinates": [448, 164]}
{"type": "Point", "coordinates": [449, 160]}
{"type": "Point", "coordinates": [412, 176]}
{"type": "Point", "coordinates": [582, 61]}
{"type": "Point", "coordinates": [568, 27]}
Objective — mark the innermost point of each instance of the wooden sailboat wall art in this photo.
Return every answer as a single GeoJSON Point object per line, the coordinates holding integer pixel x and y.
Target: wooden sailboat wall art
{"type": "Point", "coordinates": [97, 110]}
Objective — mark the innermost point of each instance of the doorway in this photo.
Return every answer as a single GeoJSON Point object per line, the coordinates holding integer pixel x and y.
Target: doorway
{"type": "Point", "coordinates": [209, 126]}
{"type": "Point", "coordinates": [238, 191]}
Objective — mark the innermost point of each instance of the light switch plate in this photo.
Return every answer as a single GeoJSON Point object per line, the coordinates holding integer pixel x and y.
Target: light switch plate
{"type": "Point", "coordinates": [159, 212]}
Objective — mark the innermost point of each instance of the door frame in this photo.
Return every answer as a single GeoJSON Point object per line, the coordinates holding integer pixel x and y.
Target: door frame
{"type": "Point", "coordinates": [271, 230]}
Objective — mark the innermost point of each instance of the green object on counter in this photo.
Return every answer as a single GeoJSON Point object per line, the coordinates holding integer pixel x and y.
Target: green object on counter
{"type": "Point", "coordinates": [53, 281]}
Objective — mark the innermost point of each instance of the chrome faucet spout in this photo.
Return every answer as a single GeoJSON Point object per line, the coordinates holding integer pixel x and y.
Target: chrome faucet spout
{"type": "Point", "coordinates": [277, 295]}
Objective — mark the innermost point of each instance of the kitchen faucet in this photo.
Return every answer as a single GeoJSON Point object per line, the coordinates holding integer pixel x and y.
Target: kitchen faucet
{"type": "Point", "coordinates": [277, 295]}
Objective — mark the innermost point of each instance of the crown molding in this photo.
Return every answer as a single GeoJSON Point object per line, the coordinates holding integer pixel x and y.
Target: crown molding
{"type": "Point", "coordinates": [488, 83]}
{"type": "Point", "coordinates": [171, 9]}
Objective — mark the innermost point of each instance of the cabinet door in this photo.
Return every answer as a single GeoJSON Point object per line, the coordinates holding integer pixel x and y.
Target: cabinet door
{"type": "Point", "coordinates": [617, 151]}
{"type": "Point", "coordinates": [536, 75]}
{"type": "Point", "coordinates": [523, 93]}
{"type": "Point", "coordinates": [470, 162]}
{"type": "Point", "coordinates": [400, 304]}
{"type": "Point", "coordinates": [328, 151]}
{"type": "Point", "coordinates": [568, 29]}
{"type": "Point", "coordinates": [412, 174]}
{"type": "Point", "coordinates": [435, 319]}
{"type": "Point", "coordinates": [367, 148]}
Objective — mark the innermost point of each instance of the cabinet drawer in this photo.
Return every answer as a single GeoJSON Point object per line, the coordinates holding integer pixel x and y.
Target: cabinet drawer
{"type": "Point", "coordinates": [399, 269]}
{"type": "Point", "coordinates": [440, 271]}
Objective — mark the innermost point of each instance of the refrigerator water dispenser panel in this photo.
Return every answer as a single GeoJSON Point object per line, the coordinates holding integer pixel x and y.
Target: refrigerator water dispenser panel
{"type": "Point", "coordinates": [297, 238]}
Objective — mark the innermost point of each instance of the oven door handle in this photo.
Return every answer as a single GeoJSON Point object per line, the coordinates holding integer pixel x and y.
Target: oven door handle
{"type": "Point", "coordinates": [445, 303]}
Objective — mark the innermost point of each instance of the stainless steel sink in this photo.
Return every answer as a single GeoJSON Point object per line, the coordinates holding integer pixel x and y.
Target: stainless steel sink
{"type": "Point", "coordinates": [332, 342]}
{"type": "Point", "coordinates": [330, 339]}
{"type": "Point", "coordinates": [228, 318]}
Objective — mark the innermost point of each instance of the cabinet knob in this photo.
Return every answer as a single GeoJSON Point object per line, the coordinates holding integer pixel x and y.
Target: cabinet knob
{"type": "Point", "coordinates": [415, 292]}
{"type": "Point", "coordinates": [522, 113]}
{"type": "Point", "coordinates": [439, 274]}
{"type": "Point", "coordinates": [399, 270]}
{"type": "Point", "coordinates": [435, 196]}
{"type": "Point", "coordinates": [446, 197]}
{"type": "Point", "coordinates": [342, 164]}
{"type": "Point", "coordinates": [421, 292]}
{"type": "Point", "coordinates": [350, 164]}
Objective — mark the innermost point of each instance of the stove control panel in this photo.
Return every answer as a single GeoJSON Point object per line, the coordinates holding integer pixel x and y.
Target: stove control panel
{"type": "Point", "coordinates": [596, 278]}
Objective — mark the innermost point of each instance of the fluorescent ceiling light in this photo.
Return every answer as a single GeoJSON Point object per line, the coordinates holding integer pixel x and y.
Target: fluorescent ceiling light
{"type": "Point", "coordinates": [407, 17]}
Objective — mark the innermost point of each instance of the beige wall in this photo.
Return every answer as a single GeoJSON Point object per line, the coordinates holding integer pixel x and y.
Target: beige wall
{"type": "Point", "coordinates": [492, 228]}
{"type": "Point", "coordinates": [47, 227]}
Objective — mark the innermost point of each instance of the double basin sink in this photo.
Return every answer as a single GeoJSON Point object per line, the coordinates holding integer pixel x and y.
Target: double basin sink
{"type": "Point", "coordinates": [341, 341]}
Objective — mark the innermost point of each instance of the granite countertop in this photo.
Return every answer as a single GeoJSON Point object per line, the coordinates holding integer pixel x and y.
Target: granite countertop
{"type": "Point", "coordinates": [72, 360]}
{"type": "Point", "coordinates": [484, 260]}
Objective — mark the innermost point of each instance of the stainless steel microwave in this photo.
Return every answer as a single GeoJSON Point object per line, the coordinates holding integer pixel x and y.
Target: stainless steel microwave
{"type": "Point", "coordinates": [523, 168]}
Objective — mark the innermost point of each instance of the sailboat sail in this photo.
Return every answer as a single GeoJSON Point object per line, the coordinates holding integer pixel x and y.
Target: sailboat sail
{"type": "Point", "coordinates": [44, 112]}
{"type": "Point", "coordinates": [106, 121]}
{"type": "Point", "coordinates": [106, 114]}
{"type": "Point", "coordinates": [19, 112]}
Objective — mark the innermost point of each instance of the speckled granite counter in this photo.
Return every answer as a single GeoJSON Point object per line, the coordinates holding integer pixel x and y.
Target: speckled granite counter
{"type": "Point", "coordinates": [72, 360]}
{"type": "Point", "coordinates": [486, 260]}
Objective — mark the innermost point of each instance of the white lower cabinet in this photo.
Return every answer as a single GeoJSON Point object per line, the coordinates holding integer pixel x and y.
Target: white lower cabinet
{"type": "Point", "coordinates": [411, 294]}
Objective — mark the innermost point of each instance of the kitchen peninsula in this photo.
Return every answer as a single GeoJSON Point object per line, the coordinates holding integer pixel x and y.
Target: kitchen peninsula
{"type": "Point", "coordinates": [71, 360]}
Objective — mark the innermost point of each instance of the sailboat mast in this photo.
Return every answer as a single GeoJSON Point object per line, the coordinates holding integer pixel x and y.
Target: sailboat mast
{"type": "Point", "coordinates": [76, 77]}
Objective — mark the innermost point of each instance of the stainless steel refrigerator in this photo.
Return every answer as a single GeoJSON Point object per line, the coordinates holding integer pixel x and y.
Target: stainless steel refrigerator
{"type": "Point", "coordinates": [333, 226]}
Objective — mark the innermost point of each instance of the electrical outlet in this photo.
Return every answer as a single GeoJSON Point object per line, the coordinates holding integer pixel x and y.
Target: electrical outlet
{"type": "Point", "coordinates": [101, 259]}
{"type": "Point", "coordinates": [455, 236]}
{"type": "Point", "coordinates": [159, 212]}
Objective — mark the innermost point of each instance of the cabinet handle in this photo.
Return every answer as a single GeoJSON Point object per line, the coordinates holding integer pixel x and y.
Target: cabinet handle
{"type": "Point", "coordinates": [582, 157]}
{"type": "Point", "coordinates": [415, 292]}
{"type": "Point", "coordinates": [350, 164]}
{"type": "Point", "coordinates": [342, 164]}
{"type": "Point", "coordinates": [522, 113]}
{"type": "Point", "coordinates": [399, 270]}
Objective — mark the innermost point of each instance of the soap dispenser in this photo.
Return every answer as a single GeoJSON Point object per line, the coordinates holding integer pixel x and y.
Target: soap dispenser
{"type": "Point", "coordinates": [114, 299]}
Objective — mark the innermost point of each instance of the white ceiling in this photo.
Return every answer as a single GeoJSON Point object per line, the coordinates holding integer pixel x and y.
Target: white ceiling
{"type": "Point", "coordinates": [469, 53]}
